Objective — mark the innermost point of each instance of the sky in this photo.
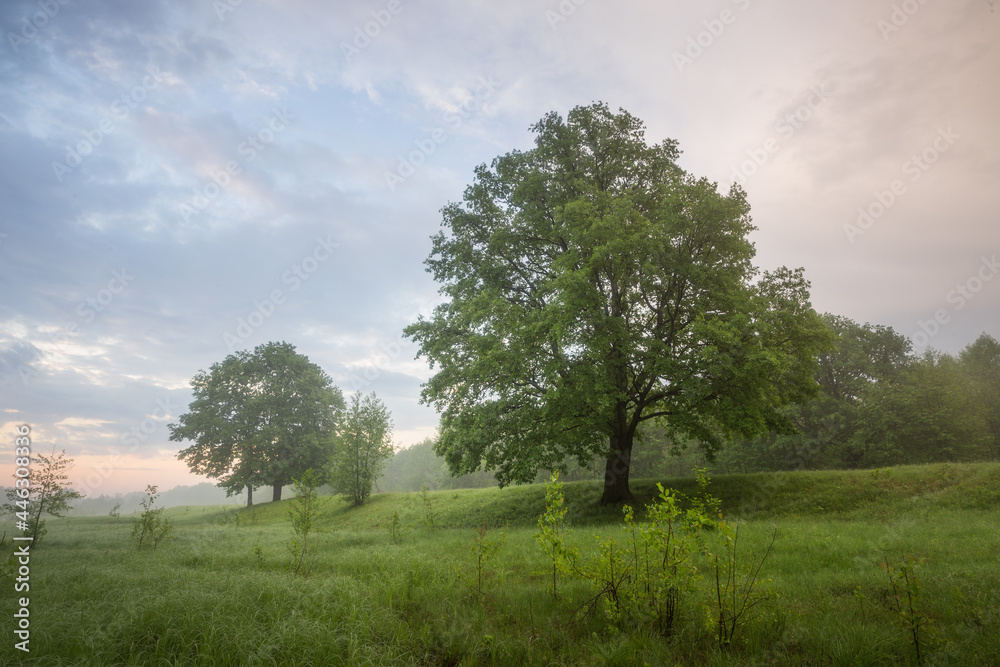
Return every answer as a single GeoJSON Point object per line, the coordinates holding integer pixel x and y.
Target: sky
{"type": "Point", "coordinates": [180, 180]}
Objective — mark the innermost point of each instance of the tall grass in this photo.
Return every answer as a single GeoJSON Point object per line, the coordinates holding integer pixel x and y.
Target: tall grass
{"type": "Point", "coordinates": [218, 591]}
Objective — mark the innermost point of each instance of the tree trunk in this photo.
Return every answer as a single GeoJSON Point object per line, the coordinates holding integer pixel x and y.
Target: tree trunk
{"type": "Point", "coordinates": [277, 493]}
{"type": "Point", "coordinates": [249, 496]}
{"type": "Point", "coordinates": [616, 489]}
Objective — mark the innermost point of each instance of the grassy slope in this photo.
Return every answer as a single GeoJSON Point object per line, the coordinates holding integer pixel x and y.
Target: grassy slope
{"type": "Point", "coordinates": [218, 592]}
{"type": "Point", "coordinates": [843, 494]}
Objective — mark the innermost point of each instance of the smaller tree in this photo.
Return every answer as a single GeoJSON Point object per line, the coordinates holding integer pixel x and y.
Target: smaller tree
{"type": "Point", "coordinates": [303, 512]}
{"type": "Point", "coordinates": [48, 492]}
{"type": "Point", "coordinates": [150, 526]}
{"type": "Point", "coordinates": [364, 447]}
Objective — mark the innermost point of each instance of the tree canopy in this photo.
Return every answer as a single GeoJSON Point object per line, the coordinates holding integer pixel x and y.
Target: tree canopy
{"type": "Point", "coordinates": [363, 448]}
{"type": "Point", "coordinates": [260, 418]}
{"type": "Point", "coordinates": [591, 285]}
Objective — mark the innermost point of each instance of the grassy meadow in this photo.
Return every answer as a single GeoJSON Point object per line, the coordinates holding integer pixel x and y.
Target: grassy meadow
{"type": "Point", "coordinates": [218, 591]}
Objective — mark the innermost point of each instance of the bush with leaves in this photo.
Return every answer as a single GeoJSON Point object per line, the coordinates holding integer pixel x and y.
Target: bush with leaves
{"type": "Point", "coordinates": [303, 512]}
{"type": "Point", "coordinates": [551, 527]}
{"type": "Point", "coordinates": [484, 548]}
{"type": "Point", "coordinates": [396, 528]}
{"type": "Point", "coordinates": [150, 527]}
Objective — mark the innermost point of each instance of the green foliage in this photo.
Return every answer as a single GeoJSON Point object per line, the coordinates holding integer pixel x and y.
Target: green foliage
{"type": "Point", "coordinates": [643, 580]}
{"type": "Point", "coordinates": [303, 512]}
{"type": "Point", "coordinates": [260, 418]}
{"type": "Point", "coordinates": [551, 526]}
{"type": "Point", "coordinates": [930, 414]}
{"type": "Point", "coordinates": [906, 591]}
{"type": "Point", "coordinates": [591, 284]}
{"type": "Point", "coordinates": [396, 528]}
{"type": "Point", "coordinates": [737, 583]}
{"type": "Point", "coordinates": [150, 527]}
{"type": "Point", "coordinates": [981, 363]}
{"type": "Point", "coordinates": [362, 449]}
{"type": "Point", "coordinates": [419, 466]}
{"type": "Point", "coordinates": [880, 405]}
{"type": "Point", "coordinates": [113, 512]}
{"type": "Point", "coordinates": [430, 514]}
{"type": "Point", "coordinates": [49, 493]}
{"type": "Point", "coordinates": [484, 548]}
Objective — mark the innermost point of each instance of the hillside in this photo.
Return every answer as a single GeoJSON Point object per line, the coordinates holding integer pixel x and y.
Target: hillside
{"type": "Point", "coordinates": [855, 494]}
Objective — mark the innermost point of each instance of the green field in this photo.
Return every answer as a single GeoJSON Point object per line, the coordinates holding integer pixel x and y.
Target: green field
{"type": "Point", "coordinates": [219, 593]}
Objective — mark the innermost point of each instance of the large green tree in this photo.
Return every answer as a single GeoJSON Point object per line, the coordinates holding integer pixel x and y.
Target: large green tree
{"type": "Point", "coordinates": [260, 418]}
{"type": "Point", "coordinates": [591, 285]}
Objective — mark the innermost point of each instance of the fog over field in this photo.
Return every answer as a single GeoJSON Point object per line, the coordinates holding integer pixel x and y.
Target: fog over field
{"type": "Point", "coordinates": [181, 180]}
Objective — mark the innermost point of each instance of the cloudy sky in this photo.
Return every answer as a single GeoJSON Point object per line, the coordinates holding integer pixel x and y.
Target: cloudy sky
{"type": "Point", "coordinates": [181, 179]}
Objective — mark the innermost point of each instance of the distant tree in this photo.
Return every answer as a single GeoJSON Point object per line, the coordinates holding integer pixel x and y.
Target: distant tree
{"type": "Point", "coordinates": [863, 355]}
{"type": "Point", "coordinates": [48, 492]}
{"type": "Point", "coordinates": [419, 466]}
{"type": "Point", "coordinates": [929, 414]}
{"type": "Point", "coordinates": [592, 285]}
{"type": "Point", "coordinates": [981, 361]}
{"type": "Point", "coordinates": [362, 449]}
{"type": "Point", "coordinates": [260, 418]}
{"type": "Point", "coordinates": [413, 467]}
